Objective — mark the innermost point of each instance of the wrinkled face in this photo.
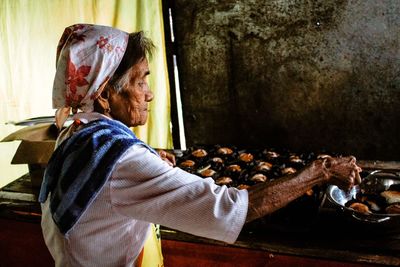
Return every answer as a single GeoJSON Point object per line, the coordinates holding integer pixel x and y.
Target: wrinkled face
{"type": "Point", "coordinates": [131, 105]}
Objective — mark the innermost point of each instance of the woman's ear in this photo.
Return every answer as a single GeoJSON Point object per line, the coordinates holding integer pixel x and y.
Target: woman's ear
{"type": "Point", "coordinates": [102, 104]}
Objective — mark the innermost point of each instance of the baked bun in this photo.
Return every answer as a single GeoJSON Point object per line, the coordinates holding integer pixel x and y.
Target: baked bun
{"type": "Point", "coordinates": [263, 166]}
{"type": "Point", "coordinates": [360, 207]}
{"type": "Point", "coordinates": [288, 170]}
{"type": "Point", "coordinates": [187, 163]}
{"type": "Point", "coordinates": [246, 157]}
{"type": "Point", "coordinates": [199, 153]}
{"type": "Point", "coordinates": [224, 151]}
{"type": "Point", "coordinates": [393, 209]}
{"type": "Point", "coordinates": [391, 196]}
{"type": "Point", "coordinates": [208, 173]}
{"type": "Point", "coordinates": [224, 180]}
{"type": "Point", "coordinates": [243, 186]}
{"type": "Point", "coordinates": [259, 178]}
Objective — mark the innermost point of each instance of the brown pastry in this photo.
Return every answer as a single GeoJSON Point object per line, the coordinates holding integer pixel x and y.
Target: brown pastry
{"type": "Point", "coordinates": [207, 172]}
{"type": "Point", "coordinates": [391, 196]}
{"type": "Point", "coordinates": [246, 157]}
{"type": "Point", "coordinates": [263, 166]}
{"type": "Point", "coordinates": [187, 163]}
{"type": "Point", "coordinates": [288, 170]}
{"type": "Point", "coordinates": [309, 192]}
{"type": "Point", "coordinates": [271, 154]}
{"type": "Point", "coordinates": [217, 160]}
{"type": "Point", "coordinates": [295, 159]}
{"type": "Point", "coordinates": [224, 180]}
{"type": "Point", "coordinates": [243, 186]}
{"type": "Point", "coordinates": [259, 178]}
{"type": "Point", "coordinates": [393, 209]}
{"type": "Point", "coordinates": [234, 168]}
{"type": "Point", "coordinates": [224, 151]}
{"type": "Point", "coordinates": [199, 153]}
{"type": "Point", "coordinates": [360, 207]}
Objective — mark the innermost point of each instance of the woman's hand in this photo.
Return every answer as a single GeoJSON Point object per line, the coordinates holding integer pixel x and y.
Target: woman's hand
{"type": "Point", "coordinates": [167, 157]}
{"type": "Point", "coordinates": [265, 198]}
{"type": "Point", "coordinates": [343, 172]}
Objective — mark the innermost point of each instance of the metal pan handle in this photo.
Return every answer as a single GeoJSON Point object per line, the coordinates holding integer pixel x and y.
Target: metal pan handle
{"type": "Point", "coordinates": [377, 172]}
{"type": "Point", "coordinates": [370, 219]}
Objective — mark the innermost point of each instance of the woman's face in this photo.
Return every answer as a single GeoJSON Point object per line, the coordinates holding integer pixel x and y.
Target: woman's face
{"type": "Point", "coordinates": [131, 105]}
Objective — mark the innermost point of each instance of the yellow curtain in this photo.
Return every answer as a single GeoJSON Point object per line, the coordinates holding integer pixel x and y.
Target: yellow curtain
{"type": "Point", "coordinates": [29, 33]}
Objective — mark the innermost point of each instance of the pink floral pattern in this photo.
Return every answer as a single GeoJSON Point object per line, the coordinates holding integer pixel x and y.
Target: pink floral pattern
{"type": "Point", "coordinates": [87, 55]}
{"type": "Point", "coordinates": [70, 99]}
{"type": "Point", "coordinates": [76, 77]}
{"type": "Point", "coordinates": [102, 42]}
{"type": "Point", "coordinates": [70, 34]}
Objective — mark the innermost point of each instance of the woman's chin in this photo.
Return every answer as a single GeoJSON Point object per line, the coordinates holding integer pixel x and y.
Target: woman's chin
{"type": "Point", "coordinates": [138, 123]}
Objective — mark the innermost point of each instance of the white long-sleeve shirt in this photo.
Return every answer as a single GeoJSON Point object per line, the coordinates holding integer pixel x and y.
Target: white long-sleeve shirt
{"type": "Point", "coordinates": [144, 189]}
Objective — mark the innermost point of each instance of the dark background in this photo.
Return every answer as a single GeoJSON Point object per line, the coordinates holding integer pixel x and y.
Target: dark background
{"type": "Point", "coordinates": [302, 75]}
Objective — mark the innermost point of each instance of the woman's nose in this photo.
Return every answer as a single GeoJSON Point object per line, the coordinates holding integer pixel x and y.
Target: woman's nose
{"type": "Point", "coordinates": [149, 96]}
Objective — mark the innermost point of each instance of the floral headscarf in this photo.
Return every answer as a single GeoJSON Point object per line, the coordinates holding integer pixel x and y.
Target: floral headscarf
{"type": "Point", "coordinates": [87, 57]}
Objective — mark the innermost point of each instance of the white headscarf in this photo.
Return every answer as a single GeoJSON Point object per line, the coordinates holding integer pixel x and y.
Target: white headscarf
{"type": "Point", "coordinates": [87, 57]}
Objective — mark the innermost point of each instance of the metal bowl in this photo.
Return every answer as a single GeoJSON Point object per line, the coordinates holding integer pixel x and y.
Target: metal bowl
{"type": "Point", "coordinates": [375, 182]}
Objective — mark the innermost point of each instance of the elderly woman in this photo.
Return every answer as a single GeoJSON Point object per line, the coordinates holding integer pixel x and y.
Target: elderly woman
{"type": "Point", "coordinates": [103, 188]}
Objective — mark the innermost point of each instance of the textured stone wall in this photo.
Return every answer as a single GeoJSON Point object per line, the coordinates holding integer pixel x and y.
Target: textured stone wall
{"type": "Point", "coordinates": [303, 75]}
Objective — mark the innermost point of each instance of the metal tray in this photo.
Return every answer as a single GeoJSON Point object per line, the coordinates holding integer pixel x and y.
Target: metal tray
{"type": "Point", "coordinates": [378, 180]}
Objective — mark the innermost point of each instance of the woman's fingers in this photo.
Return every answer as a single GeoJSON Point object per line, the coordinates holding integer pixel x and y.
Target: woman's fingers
{"type": "Point", "coordinates": [167, 157]}
{"type": "Point", "coordinates": [171, 158]}
{"type": "Point", "coordinates": [345, 173]}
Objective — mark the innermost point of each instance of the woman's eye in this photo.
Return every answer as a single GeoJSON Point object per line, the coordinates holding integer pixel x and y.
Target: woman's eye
{"type": "Point", "coordinates": [142, 84]}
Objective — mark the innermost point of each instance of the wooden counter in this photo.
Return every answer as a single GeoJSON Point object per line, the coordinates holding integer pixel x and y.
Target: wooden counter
{"type": "Point", "coordinates": [309, 248]}
{"type": "Point", "coordinates": [324, 240]}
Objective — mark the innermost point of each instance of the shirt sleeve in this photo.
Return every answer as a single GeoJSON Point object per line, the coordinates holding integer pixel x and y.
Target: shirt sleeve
{"type": "Point", "coordinates": [144, 187]}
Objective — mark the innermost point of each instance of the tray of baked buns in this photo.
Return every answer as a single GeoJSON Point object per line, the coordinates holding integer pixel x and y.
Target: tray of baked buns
{"type": "Point", "coordinates": [242, 168]}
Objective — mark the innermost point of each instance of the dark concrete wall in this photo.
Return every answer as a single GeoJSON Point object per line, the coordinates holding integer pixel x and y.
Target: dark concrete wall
{"type": "Point", "coordinates": [303, 75]}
